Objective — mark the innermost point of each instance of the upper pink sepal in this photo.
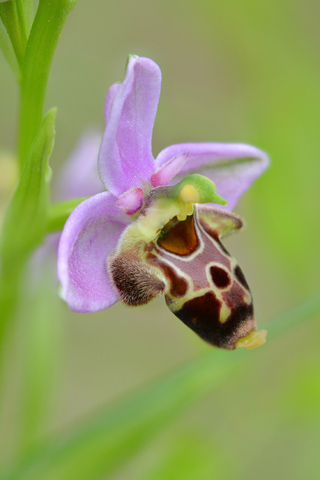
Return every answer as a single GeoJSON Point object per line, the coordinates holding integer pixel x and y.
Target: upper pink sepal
{"type": "Point", "coordinates": [125, 159]}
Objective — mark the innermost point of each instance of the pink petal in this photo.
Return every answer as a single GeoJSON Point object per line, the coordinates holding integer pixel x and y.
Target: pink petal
{"type": "Point", "coordinates": [231, 166]}
{"type": "Point", "coordinates": [131, 201]}
{"type": "Point", "coordinates": [125, 159]}
{"type": "Point", "coordinates": [166, 172]}
{"type": "Point", "coordinates": [89, 236]}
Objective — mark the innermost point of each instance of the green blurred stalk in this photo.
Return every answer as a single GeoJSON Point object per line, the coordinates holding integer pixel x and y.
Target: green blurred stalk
{"type": "Point", "coordinates": [25, 221]}
{"type": "Point", "coordinates": [42, 324]}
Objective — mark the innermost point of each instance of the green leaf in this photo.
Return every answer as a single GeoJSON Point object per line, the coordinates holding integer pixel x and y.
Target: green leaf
{"type": "Point", "coordinates": [25, 15]}
{"type": "Point", "coordinates": [10, 18]}
{"type": "Point", "coordinates": [25, 222]}
{"type": "Point", "coordinates": [8, 51]}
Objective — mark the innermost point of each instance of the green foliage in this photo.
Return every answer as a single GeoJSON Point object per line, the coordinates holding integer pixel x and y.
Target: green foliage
{"type": "Point", "coordinates": [42, 43]}
{"type": "Point", "coordinates": [188, 456]}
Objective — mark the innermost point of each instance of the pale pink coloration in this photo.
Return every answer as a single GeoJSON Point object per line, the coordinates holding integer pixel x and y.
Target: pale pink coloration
{"type": "Point", "coordinates": [128, 171]}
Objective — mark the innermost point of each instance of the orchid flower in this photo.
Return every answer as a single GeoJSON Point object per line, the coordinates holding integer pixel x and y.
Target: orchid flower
{"type": "Point", "coordinates": [156, 230]}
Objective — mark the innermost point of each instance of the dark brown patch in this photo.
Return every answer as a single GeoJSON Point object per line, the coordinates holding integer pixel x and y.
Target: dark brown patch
{"type": "Point", "coordinates": [179, 237]}
{"type": "Point", "coordinates": [219, 277]}
{"type": "Point", "coordinates": [136, 282]}
{"type": "Point", "coordinates": [240, 277]}
{"type": "Point", "coordinates": [178, 285]}
{"type": "Point", "coordinates": [201, 314]}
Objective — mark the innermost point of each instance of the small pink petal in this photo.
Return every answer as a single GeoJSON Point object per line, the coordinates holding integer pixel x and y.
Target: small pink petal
{"type": "Point", "coordinates": [131, 200]}
{"type": "Point", "coordinates": [166, 172]}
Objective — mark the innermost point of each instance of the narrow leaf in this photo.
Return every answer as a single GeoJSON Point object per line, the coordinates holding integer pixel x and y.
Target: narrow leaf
{"type": "Point", "coordinates": [8, 51]}
{"type": "Point", "coordinates": [10, 19]}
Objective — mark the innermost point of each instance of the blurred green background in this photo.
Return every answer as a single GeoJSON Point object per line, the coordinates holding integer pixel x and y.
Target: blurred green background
{"type": "Point", "coordinates": [232, 72]}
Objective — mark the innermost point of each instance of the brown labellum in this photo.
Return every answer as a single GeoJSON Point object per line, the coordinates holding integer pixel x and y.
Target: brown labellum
{"type": "Point", "coordinates": [203, 285]}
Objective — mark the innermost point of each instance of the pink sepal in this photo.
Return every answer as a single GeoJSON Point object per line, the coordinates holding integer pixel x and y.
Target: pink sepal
{"type": "Point", "coordinates": [166, 172]}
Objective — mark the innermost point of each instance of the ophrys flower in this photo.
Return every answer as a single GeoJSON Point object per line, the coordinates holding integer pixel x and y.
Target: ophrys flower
{"type": "Point", "coordinates": [148, 234]}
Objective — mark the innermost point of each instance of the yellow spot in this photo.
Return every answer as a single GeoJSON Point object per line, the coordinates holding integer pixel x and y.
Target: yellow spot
{"type": "Point", "coordinates": [224, 313]}
{"type": "Point", "coordinates": [247, 299]}
{"type": "Point", "coordinates": [252, 340]}
{"type": "Point", "coordinates": [190, 208]}
{"type": "Point", "coordinates": [188, 194]}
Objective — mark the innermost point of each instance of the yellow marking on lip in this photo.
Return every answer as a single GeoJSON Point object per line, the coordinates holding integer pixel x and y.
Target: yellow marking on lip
{"type": "Point", "coordinates": [224, 313]}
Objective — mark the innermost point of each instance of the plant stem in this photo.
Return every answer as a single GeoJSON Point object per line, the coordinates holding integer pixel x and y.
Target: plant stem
{"type": "Point", "coordinates": [42, 42]}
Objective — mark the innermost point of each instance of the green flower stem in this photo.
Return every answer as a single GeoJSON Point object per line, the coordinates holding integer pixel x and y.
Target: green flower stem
{"type": "Point", "coordinates": [42, 42]}
{"type": "Point", "coordinates": [59, 212]}
{"type": "Point", "coordinates": [25, 221]}
{"type": "Point", "coordinates": [12, 22]}
{"type": "Point", "coordinates": [106, 441]}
